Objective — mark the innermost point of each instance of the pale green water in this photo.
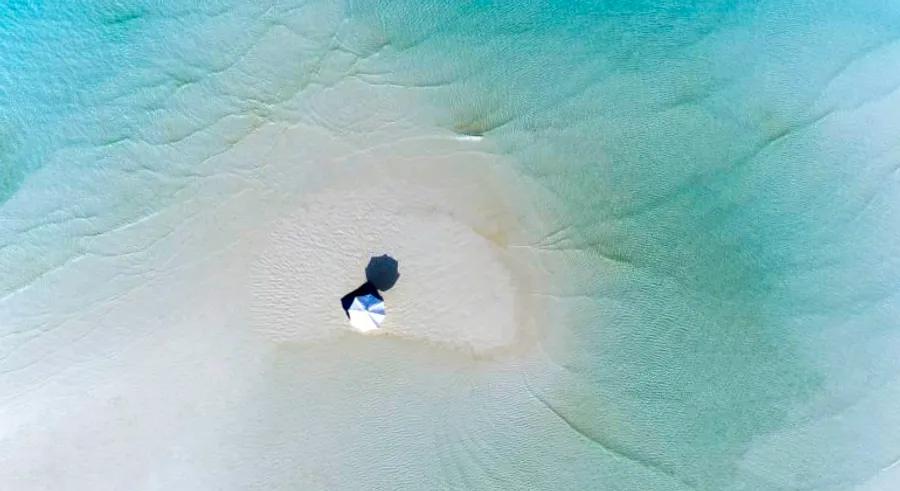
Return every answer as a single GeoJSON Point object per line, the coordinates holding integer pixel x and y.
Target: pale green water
{"type": "Point", "coordinates": [724, 174]}
{"type": "Point", "coordinates": [730, 186]}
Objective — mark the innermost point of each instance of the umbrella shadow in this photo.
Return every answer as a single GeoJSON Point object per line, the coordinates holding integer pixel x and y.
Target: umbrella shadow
{"type": "Point", "coordinates": [382, 272]}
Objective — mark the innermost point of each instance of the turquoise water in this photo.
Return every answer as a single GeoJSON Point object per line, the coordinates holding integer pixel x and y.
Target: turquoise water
{"type": "Point", "coordinates": [724, 176]}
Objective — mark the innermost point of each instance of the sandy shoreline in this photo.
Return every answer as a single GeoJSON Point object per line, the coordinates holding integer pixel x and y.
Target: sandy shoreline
{"type": "Point", "coordinates": [447, 220]}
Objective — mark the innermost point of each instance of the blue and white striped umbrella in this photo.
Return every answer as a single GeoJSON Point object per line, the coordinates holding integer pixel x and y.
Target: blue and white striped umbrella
{"type": "Point", "coordinates": [366, 313]}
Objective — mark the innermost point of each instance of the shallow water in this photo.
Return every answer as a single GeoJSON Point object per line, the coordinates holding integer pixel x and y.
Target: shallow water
{"type": "Point", "coordinates": [720, 189]}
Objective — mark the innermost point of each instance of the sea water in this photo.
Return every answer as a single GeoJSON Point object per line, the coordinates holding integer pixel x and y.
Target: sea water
{"type": "Point", "coordinates": [722, 186]}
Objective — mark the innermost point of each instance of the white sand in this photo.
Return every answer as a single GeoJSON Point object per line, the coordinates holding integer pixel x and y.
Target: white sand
{"type": "Point", "coordinates": [457, 286]}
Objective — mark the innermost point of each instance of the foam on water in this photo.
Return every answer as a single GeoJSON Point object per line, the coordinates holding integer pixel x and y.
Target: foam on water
{"type": "Point", "coordinates": [707, 194]}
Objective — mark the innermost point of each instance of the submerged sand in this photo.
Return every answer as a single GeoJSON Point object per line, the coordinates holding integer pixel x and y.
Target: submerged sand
{"type": "Point", "coordinates": [212, 347]}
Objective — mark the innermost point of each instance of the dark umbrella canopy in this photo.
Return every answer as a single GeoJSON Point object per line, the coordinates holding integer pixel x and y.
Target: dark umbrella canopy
{"type": "Point", "coordinates": [382, 272]}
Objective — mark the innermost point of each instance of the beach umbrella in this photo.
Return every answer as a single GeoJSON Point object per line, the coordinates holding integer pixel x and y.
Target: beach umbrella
{"type": "Point", "coordinates": [366, 313]}
{"type": "Point", "coordinates": [364, 307]}
{"type": "Point", "coordinates": [382, 272]}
